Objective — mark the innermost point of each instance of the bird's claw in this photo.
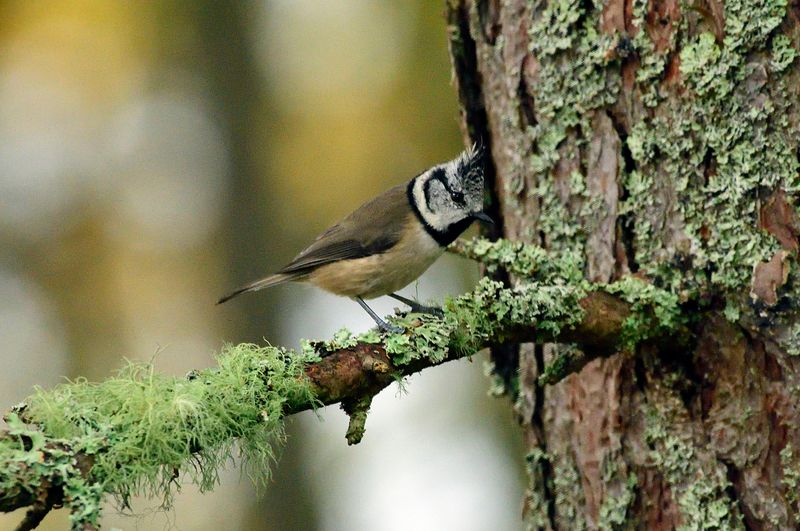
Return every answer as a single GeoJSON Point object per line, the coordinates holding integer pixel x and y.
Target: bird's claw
{"type": "Point", "coordinates": [390, 329]}
{"type": "Point", "coordinates": [430, 310]}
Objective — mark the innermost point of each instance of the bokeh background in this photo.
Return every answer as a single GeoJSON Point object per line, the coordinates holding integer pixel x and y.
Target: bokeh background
{"type": "Point", "coordinates": [154, 155]}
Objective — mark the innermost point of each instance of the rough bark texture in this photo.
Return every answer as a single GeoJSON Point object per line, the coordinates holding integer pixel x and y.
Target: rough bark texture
{"type": "Point", "coordinates": [657, 138]}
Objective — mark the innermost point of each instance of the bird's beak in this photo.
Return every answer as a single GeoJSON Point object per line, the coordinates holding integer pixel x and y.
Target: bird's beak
{"type": "Point", "coordinates": [483, 217]}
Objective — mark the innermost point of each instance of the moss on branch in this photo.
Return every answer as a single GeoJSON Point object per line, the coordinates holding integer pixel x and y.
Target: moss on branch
{"type": "Point", "coordinates": [140, 432]}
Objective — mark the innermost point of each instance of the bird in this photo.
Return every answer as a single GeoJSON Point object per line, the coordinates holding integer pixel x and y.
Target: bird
{"type": "Point", "coordinates": [389, 241]}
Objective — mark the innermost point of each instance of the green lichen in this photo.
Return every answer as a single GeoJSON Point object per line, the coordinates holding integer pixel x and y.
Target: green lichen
{"type": "Point", "coordinates": [783, 53]}
{"type": "Point", "coordinates": [84, 501]}
{"type": "Point", "coordinates": [371, 336]}
{"type": "Point", "coordinates": [749, 24]}
{"type": "Point", "coordinates": [563, 232]}
{"type": "Point", "coordinates": [700, 164]}
{"type": "Point", "coordinates": [651, 61]}
{"type": "Point", "coordinates": [700, 493]}
{"type": "Point", "coordinates": [654, 312]}
{"type": "Point", "coordinates": [487, 314]}
{"type": "Point", "coordinates": [342, 339]}
{"type": "Point", "coordinates": [357, 409]}
{"type": "Point", "coordinates": [791, 475]}
{"type": "Point", "coordinates": [791, 342]}
{"type": "Point", "coordinates": [569, 497]}
{"type": "Point", "coordinates": [732, 310]}
{"type": "Point", "coordinates": [536, 515]}
{"type": "Point", "coordinates": [523, 260]}
{"type": "Point", "coordinates": [713, 143]}
{"type": "Point", "coordinates": [615, 509]}
{"type": "Point", "coordinates": [29, 460]}
{"type": "Point", "coordinates": [735, 115]}
{"type": "Point", "coordinates": [700, 63]}
{"type": "Point", "coordinates": [144, 430]}
{"type": "Point", "coordinates": [430, 340]}
{"type": "Point", "coordinates": [619, 493]}
{"type": "Point", "coordinates": [573, 79]}
{"type": "Point", "coordinates": [573, 57]}
{"type": "Point", "coordinates": [566, 360]}
{"type": "Point", "coordinates": [545, 308]}
{"type": "Point", "coordinates": [497, 384]}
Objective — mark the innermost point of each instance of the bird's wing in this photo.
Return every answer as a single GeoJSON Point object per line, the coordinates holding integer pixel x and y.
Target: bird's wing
{"type": "Point", "coordinates": [372, 229]}
{"type": "Point", "coordinates": [327, 252]}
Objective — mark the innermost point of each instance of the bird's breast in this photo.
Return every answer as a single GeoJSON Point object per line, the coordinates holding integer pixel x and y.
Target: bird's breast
{"type": "Point", "coordinates": [383, 273]}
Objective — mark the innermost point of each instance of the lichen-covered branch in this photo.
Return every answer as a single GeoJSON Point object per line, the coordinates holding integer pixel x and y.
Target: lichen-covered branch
{"type": "Point", "coordinates": [140, 432]}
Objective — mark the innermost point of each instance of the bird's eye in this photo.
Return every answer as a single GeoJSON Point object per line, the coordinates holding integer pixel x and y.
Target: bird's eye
{"type": "Point", "coordinates": [458, 197]}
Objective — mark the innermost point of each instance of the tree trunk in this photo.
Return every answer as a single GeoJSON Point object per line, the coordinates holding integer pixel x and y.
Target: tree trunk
{"type": "Point", "coordinates": [659, 139]}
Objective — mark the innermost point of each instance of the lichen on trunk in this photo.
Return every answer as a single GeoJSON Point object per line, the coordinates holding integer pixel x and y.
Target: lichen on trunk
{"type": "Point", "coordinates": [656, 139]}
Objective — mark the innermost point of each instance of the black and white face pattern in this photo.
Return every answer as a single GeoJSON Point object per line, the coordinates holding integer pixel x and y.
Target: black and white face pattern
{"type": "Point", "coordinates": [448, 195]}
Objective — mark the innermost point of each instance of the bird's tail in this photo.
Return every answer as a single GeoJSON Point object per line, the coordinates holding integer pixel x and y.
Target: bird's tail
{"type": "Point", "coordinates": [272, 280]}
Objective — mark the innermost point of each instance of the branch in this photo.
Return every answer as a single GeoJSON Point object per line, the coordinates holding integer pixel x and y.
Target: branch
{"type": "Point", "coordinates": [139, 431]}
{"type": "Point", "coordinates": [366, 368]}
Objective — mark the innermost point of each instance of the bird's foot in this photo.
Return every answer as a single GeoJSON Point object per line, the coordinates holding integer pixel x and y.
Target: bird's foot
{"type": "Point", "coordinates": [383, 325]}
{"type": "Point", "coordinates": [417, 307]}
{"type": "Point", "coordinates": [430, 310]}
{"type": "Point", "coordinates": [389, 328]}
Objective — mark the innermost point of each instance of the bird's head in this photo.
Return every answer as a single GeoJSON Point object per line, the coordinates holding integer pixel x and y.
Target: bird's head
{"type": "Point", "coordinates": [449, 196]}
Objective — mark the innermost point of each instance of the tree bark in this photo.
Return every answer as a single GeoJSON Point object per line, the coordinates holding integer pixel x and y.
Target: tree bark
{"type": "Point", "coordinates": [659, 139]}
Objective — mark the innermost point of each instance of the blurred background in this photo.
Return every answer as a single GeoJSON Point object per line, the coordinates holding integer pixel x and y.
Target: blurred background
{"type": "Point", "coordinates": [154, 155]}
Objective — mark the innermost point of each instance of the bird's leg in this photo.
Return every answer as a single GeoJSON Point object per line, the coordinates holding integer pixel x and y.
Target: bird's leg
{"type": "Point", "coordinates": [383, 325]}
{"type": "Point", "coordinates": [417, 307]}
